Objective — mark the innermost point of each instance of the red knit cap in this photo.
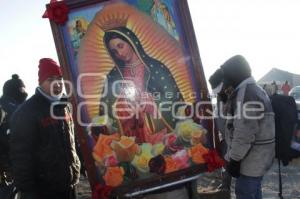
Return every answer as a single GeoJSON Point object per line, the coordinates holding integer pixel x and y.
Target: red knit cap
{"type": "Point", "coordinates": [48, 68]}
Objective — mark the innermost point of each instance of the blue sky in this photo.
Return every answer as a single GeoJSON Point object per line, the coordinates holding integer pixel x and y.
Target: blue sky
{"type": "Point", "coordinates": [266, 32]}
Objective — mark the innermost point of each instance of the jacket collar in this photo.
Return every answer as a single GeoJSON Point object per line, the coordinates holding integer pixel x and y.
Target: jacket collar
{"type": "Point", "coordinates": [48, 97]}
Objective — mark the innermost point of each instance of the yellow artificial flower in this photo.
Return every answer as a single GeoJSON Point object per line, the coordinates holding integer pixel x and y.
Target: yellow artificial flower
{"type": "Point", "coordinates": [141, 161]}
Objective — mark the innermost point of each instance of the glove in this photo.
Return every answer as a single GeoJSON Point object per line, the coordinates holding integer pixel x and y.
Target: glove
{"type": "Point", "coordinates": [233, 168]}
{"type": "Point", "coordinates": [28, 195]}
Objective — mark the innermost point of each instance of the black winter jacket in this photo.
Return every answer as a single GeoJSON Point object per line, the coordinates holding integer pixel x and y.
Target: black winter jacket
{"type": "Point", "coordinates": [285, 110]}
{"type": "Point", "coordinates": [43, 150]}
{"type": "Point", "coordinates": [8, 106]}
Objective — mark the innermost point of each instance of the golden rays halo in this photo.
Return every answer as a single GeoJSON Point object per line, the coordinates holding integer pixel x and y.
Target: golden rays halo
{"type": "Point", "coordinates": [94, 61]}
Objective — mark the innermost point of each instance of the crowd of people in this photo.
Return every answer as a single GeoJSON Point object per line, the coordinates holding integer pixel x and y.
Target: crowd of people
{"type": "Point", "coordinates": [38, 155]}
{"type": "Point", "coordinates": [284, 89]}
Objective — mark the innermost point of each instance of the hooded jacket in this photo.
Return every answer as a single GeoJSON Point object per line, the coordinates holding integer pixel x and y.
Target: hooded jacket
{"type": "Point", "coordinates": [235, 70]}
{"type": "Point", "coordinates": [250, 134]}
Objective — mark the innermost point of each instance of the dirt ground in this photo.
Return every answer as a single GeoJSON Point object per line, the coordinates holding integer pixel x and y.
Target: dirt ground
{"type": "Point", "coordinates": [209, 182]}
{"type": "Point", "coordinates": [290, 181]}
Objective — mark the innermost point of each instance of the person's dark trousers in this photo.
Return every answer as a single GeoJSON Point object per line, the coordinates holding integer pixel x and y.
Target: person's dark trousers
{"type": "Point", "coordinates": [5, 191]}
{"type": "Point", "coordinates": [247, 187]}
{"type": "Point", "coordinates": [69, 194]}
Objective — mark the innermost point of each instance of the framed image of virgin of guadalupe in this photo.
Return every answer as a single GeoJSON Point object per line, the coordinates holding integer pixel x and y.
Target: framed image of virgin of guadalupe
{"type": "Point", "coordinates": [139, 92]}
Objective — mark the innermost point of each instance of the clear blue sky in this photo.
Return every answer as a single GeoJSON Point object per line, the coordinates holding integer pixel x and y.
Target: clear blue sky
{"type": "Point", "coordinates": [266, 32]}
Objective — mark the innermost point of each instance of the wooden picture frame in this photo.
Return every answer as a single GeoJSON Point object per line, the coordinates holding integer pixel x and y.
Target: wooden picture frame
{"type": "Point", "coordinates": [89, 57]}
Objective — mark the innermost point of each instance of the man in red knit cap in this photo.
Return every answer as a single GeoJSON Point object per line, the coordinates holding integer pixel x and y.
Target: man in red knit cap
{"type": "Point", "coordinates": [44, 160]}
{"type": "Point", "coordinates": [50, 75]}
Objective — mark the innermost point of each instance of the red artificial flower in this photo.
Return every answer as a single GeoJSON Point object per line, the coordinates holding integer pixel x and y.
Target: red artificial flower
{"type": "Point", "coordinates": [157, 165]}
{"type": "Point", "coordinates": [213, 160]}
{"type": "Point", "coordinates": [57, 11]}
{"type": "Point", "coordinates": [101, 191]}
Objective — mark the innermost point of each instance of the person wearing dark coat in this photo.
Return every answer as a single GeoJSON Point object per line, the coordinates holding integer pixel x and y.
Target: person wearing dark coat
{"type": "Point", "coordinates": [43, 155]}
{"type": "Point", "coordinates": [285, 110]}
{"type": "Point", "coordinates": [13, 95]}
{"type": "Point", "coordinates": [285, 122]}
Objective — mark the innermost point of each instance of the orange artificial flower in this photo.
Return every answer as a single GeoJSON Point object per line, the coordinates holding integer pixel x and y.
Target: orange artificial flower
{"type": "Point", "coordinates": [114, 176]}
{"type": "Point", "coordinates": [125, 148]}
{"type": "Point", "coordinates": [197, 152]}
{"type": "Point", "coordinates": [103, 148]}
{"type": "Point", "coordinates": [171, 165]}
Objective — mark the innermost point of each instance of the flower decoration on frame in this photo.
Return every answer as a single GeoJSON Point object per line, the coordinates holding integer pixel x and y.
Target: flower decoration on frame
{"type": "Point", "coordinates": [57, 11]}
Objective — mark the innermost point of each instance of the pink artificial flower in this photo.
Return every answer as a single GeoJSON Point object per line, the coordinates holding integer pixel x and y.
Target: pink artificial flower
{"type": "Point", "coordinates": [170, 143]}
{"type": "Point", "coordinates": [111, 160]}
{"type": "Point", "coordinates": [170, 139]}
{"type": "Point", "coordinates": [181, 158]}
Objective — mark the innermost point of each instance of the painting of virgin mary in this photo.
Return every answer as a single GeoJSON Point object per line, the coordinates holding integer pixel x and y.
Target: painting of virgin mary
{"type": "Point", "coordinates": [138, 87]}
